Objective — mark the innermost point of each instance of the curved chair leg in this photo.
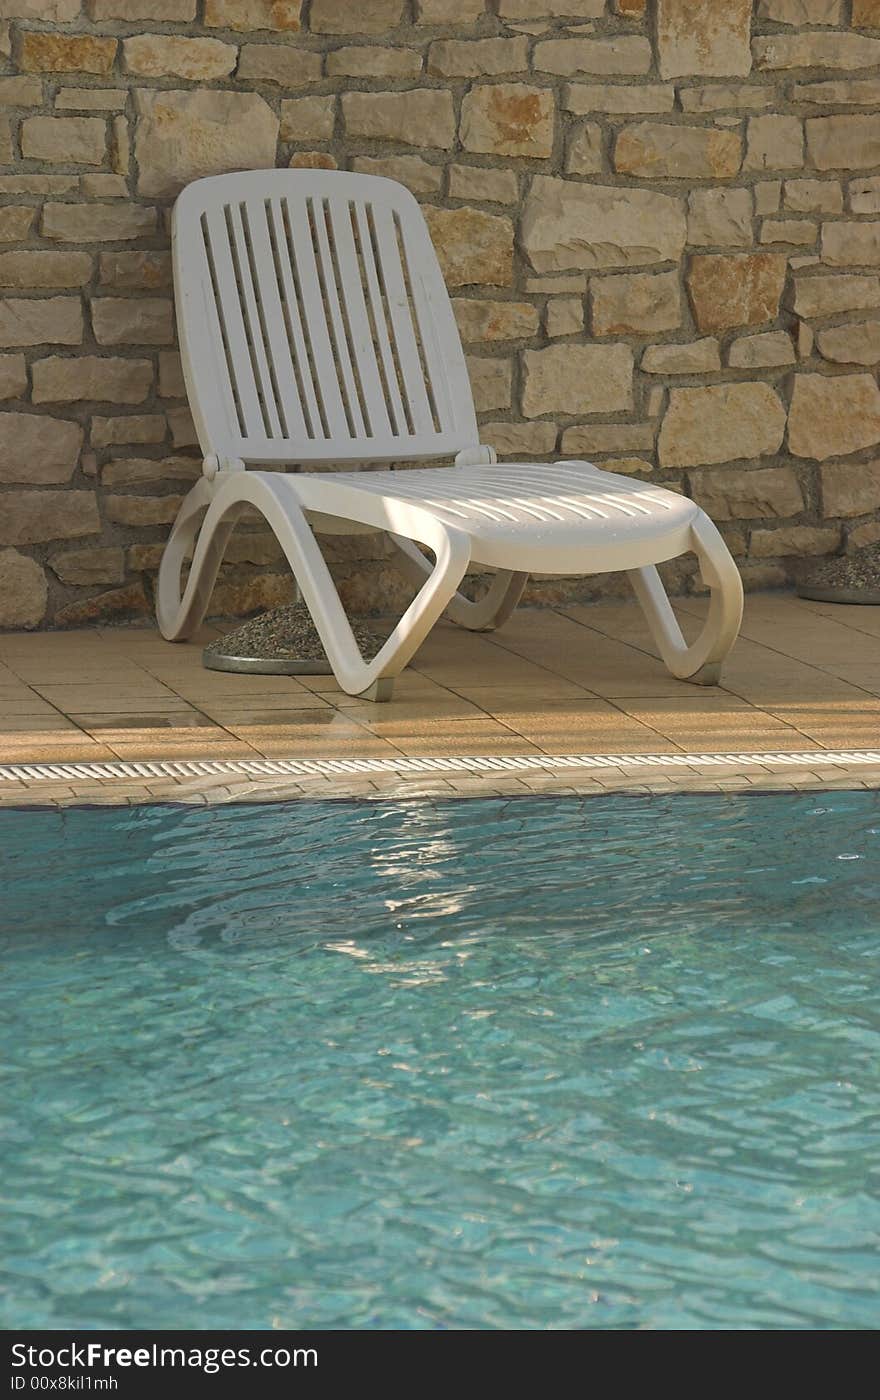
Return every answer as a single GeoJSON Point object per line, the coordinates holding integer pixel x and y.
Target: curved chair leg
{"type": "Point", "coordinates": [274, 495]}
{"type": "Point", "coordinates": [701, 662]}
{"type": "Point", "coordinates": [484, 615]}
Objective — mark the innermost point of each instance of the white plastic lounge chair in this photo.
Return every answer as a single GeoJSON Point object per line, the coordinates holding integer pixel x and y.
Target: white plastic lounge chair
{"type": "Point", "coordinates": [315, 327]}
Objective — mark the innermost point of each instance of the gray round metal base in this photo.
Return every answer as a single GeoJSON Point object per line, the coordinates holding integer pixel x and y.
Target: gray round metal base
{"type": "Point", "coordinates": [828, 594]}
{"type": "Point", "coordinates": [265, 666]}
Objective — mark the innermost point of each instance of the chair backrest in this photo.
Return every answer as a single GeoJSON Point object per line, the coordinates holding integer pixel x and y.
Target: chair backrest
{"type": "Point", "coordinates": [314, 322]}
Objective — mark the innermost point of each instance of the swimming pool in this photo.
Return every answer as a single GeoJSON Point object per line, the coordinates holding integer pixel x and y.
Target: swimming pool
{"type": "Point", "coordinates": [542, 1063]}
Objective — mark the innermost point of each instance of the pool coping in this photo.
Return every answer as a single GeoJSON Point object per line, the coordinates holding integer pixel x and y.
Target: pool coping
{"type": "Point", "coordinates": [203, 780]}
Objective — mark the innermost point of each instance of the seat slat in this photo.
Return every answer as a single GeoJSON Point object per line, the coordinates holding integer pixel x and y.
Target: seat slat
{"type": "Point", "coordinates": [408, 356]}
{"type": "Point", "coordinates": [253, 321]}
{"type": "Point", "coordinates": [315, 327]}
{"type": "Point", "coordinates": [278, 336]}
{"type": "Point", "coordinates": [300, 354]}
{"type": "Point", "coordinates": [397, 413]}
{"type": "Point", "coordinates": [376, 408]}
{"type": "Point", "coordinates": [336, 320]}
{"type": "Point", "coordinates": [236, 332]}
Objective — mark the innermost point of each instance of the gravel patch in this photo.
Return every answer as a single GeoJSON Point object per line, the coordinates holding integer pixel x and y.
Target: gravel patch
{"type": "Point", "coordinates": [845, 578]}
{"type": "Point", "coordinates": [283, 641]}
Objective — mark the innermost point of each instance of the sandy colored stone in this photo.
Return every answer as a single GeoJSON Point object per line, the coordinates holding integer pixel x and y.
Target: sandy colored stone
{"type": "Point", "coordinates": [797, 12]}
{"type": "Point", "coordinates": [800, 232]}
{"type": "Point", "coordinates": [491, 382]}
{"type": "Point", "coordinates": [515, 440]}
{"type": "Point", "coordinates": [456, 12]}
{"type": "Point", "coordinates": [38, 184]}
{"type": "Point", "coordinates": [39, 269]}
{"type": "Point", "coordinates": [100, 185]}
{"type": "Point", "coordinates": [93, 223]}
{"type": "Point", "coordinates": [60, 379]}
{"type": "Point", "coordinates": [45, 52]}
{"type": "Point", "coordinates": [130, 428]}
{"type": "Point", "coordinates": [568, 225]}
{"type": "Point", "coordinates": [178, 11]}
{"type": "Point", "coordinates": [694, 357]}
{"type": "Point", "coordinates": [24, 593]}
{"type": "Point", "coordinates": [90, 99]}
{"type": "Point", "coordinates": [845, 142]}
{"type": "Point", "coordinates": [794, 540]}
{"type": "Point", "coordinates": [585, 151]}
{"type": "Point", "coordinates": [139, 511]}
{"type": "Point", "coordinates": [833, 415]}
{"type": "Point", "coordinates": [839, 92]}
{"type": "Point", "coordinates": [866, 13]}
{"type": "Point", "coordinates": [850, 488]}
{"type": "Point", "coordinates": [13, 377]}
{"type": "Point", "coordinates": [736, 493]}
{"type": "Point", "coordinates": [422, 117]}
{"type": "Point", "coordinates": [15, 223]}
{"type": "Point", "coordinates": [618, 98]}
{"type": "Point", "coordinates": [308, 119]}
{"type": "Point", "coordinates": [38, 450]}
{"type": "Point", "coordinates": [508, 119]}
{"type": "Point", "coordinates": [550, 9]}
{"type": "Point", "coordinates": [815, 49]}
{"type": "Point", "coordinates": [172, 56]}
{"type": "Point", "coordinates": [127, 602]}
{"type": "Point", "coordinates": [476, 58]}
{"type": "Point", "coordinates": [724, 97]}
{"type": "Point", "coordinates": [829, 294]}
{"type": "Point", "coordinates": [864, 196]}
{"type": "Point", "coordinates": [720, 423]}
{"type": "Point", "coordinates": [575, 378]}
{"type": "Point", "coordinates": [494, 320]}
{"type": "Point", "coordinates": [99, 564]}
{"type": "Point", "coordinates": [473, 247]}
{"type": "Point", "coordinates": [40, 321]}
{"type": "Point", "coordinates": [704, 38]}
{"type": "Point", "coordinates": [846, 244]}
{"type": "Point", "coordinates": [64, 140]}
{"type": "Point", "coordinates": [476, 182]}
{"type": "Point", "coordinates": [362, 17]}
{"type": "Point", "coordinates": [418, 175]}
{"type": "Point", "coordinates": [564, 316]}
{"type": "Point", "coordinates": [768, 351]}
{"type": "Point", "coordinates": [135, 271]}
{"type": "Point", "coordinates": [47, 11]}
{"type": "Point", "coordinates": [635, 303]}
{"type": "Point", "coordinates": [20, 91]}
{"type": "Point", "coordinates": [33, 517]}
{"type": "Point", "coordinates": [184, 135]}
{"type": "Point", "coordinates": [135, 471]}
{"type": "Point", "coordinates": [133, 320]}
{"type": "Point", "coordinates": [183, 430]}
{"type": "Point", "coordinates": [720, 218]}
{"type": "Point", "coordinates": [814, 197]}
{"type": "Point", "coordinates": [739, 289]}
{"type": "Point", "coordinates": [588, 439]}
{"type": "Point", "coordinates": [242, 15]}
{"type": "Point", "coordinates": [373, 61]}
{"type": "Point", "coordinates": [857, 343]}
{"type": "Point", "coordinates": [625, 55]}
{"type": "Point", "coordinates": [659, 150]}
{"type": "Point", "coordinates": [774, 142]}
{"type": "Point", "coordinates": [283, 64]}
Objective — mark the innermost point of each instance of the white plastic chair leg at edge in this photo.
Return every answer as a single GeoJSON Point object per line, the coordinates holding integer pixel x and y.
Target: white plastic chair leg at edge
{"type": "Point", "coordinates": [483, 615]}
{"type": "Point", "coordinates": [274, 495]}
{"type": "Point", "coordinates": [700, 663]}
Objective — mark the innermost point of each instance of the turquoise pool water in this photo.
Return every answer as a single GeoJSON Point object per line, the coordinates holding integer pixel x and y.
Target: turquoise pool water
{"type": "Point", "coordinates": [547, 1063]}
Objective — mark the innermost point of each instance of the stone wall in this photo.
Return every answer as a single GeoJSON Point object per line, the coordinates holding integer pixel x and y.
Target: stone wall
{"type": "Point", "coordinates": [658, 222]}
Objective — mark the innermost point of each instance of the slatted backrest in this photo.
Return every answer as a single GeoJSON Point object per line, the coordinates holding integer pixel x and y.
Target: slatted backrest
{"type": "Point", "coordinates": [314, 321]}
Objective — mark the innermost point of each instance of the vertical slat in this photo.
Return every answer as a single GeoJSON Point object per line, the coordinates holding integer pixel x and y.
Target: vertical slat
{"type": "Point", "coordinates": [258, 348]}
{"type": "Point", "coordinates": [358, 321]}
{"type": "Point", "coordinates": [395, 402]}
{"type": "Point", "coordinates": [337, 320]}
{"type": "Point", "coordinates": [401, 320]}
{"type": "Point", "coordinates": [277, 335]}
{"type": "Point", "coordinates": [327, 382]}
{"type": "Point", "coordinates": [236, 332]}
{"type": "Point", "coordinates": [314, 427]}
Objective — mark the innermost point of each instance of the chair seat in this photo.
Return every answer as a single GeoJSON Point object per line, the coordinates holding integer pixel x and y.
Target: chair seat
{"type": "Point", "coordinates": [541, 517]}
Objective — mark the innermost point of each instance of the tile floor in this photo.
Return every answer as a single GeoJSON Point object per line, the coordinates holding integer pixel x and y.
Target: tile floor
{"type": "Point", "coordinates": [573, 680]}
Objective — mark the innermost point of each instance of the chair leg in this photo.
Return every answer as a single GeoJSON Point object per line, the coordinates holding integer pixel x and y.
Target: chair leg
{"type": "Point", "coordinates": [700, 662]}
{"type": "Point", "coordinates": [274, 495]}
{"type": "Point", "coordinates": [487, 613]}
